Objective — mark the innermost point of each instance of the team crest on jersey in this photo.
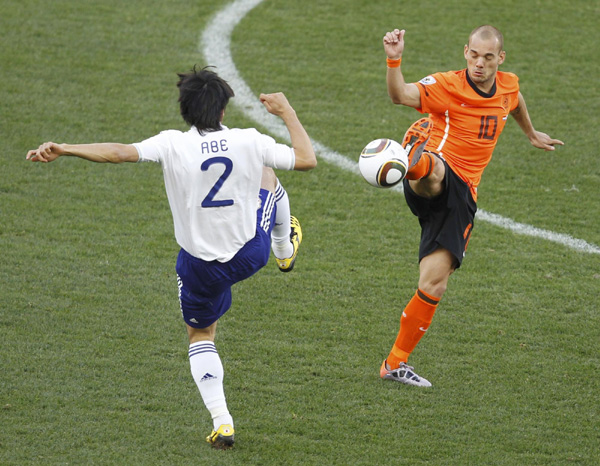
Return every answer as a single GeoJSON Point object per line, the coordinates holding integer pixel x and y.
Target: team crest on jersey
{"type": "Point", "coordinates": [428, 80]}
{"type": "Point", "coordinates": [505, 103]}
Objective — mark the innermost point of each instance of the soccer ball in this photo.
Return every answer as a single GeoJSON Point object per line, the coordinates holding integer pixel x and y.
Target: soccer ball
{"type": "Point", "coordinates": [383, 163]}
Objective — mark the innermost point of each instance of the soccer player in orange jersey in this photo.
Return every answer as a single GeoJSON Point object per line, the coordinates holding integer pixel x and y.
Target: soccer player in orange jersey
{"type": "Point", "coordinates": [448, 152]}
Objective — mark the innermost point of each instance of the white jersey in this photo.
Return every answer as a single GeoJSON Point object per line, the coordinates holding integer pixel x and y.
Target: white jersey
{"type": "Point", "coordinates": [212, 182]}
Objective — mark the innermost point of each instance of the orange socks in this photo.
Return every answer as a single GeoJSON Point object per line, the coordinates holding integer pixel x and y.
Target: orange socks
{"type": "Point", "coordinates": [422, 168]}
{"type": "Point", "coordinates": [415, 321]}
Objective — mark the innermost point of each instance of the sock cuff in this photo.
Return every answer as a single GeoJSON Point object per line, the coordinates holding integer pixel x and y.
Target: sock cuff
{"type": "Point", "coordinates": [201, 347]}
{"type": "Point", "coordinates": [422, 168]}
{"type": "Point", "coordinates": [427, 298]}
{"type": "Point", "coordinates": [279, 191]}
{"type": "Point", "coordinates": [431, 164]}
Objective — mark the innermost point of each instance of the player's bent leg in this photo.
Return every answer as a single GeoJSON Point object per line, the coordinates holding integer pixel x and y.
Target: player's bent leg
{"type": "Point", "coordinates": [287, 264]}
{"type": "Point", "coordinates": [286, 235]}
{"type": "Point", "coordinates": [269, 179]}
{"type": "Point", "coordinates": [280, 235]}
{"type": "Point", "coordinates": [414, 142]}
{"type": "Point", "coordinates": [432, 185]}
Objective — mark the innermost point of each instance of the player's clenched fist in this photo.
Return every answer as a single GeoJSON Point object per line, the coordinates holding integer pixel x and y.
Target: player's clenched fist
{"type": "Point", "coordinates": [393, 43]}
{"type": "Point", "coordinates": [276, 103]}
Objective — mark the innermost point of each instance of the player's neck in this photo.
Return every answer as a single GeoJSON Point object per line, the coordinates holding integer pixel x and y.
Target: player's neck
{"type": "Point", "coordinates": [485, 88]}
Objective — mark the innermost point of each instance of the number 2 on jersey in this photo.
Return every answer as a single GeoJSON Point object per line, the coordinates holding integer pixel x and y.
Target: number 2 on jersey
{"type": "Point", "coordinates": [209, 199]}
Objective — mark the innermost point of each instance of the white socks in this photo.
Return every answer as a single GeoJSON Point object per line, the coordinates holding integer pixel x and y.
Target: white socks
{"type": "Point", "coordinates": [207, 371]}
{"type": "Point", "coordinates": [280, 236]}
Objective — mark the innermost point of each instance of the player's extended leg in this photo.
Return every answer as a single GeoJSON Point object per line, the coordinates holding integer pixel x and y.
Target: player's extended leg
{"type": "Point", "coordinates": [435, 270]}
{"type": "Point", "coordinates": [207, 371]}
{"type": "Point", "coordinates": [287, 233]}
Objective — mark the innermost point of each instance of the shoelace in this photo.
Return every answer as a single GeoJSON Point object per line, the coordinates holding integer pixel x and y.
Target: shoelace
{"type": "Point", "coordinates": [406, 366]}
{"type": "Point", "coordinates": [409, 372]}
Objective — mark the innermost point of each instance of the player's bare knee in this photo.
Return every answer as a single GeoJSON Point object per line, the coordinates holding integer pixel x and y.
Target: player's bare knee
{"type": "Point", "coordinates": [433, 184]}
{"type": "Point", "coordinates": [427, 187]}
{"type": "Point", "coordinates": [434, 284]}
{"type": "Point", "coordinates": [438, 173]}
{"type": "Point", "coordinates": [201, 334]}
{"type": "Point", "coordinates": [434, 288]}
{"type": "Point", "coordinates": [435, 271]}
{"type": "Point", "coordinates": [269, 179]}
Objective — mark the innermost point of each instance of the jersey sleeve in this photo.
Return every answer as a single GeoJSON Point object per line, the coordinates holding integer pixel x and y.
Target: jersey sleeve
{"type": "Point", "coordinates": [153, 149]}
{"type": "Point", "coordinates": [276, 155]}
{"type": "Point", "coordinates": [434, 96]}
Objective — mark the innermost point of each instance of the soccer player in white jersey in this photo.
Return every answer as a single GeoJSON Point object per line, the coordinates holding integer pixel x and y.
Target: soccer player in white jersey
{"type": "Point", "coordinates": [229, 210]}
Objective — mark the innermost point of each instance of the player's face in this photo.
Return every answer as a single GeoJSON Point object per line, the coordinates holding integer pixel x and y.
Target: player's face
{"type": "Point", "coordinates": [483, 58]}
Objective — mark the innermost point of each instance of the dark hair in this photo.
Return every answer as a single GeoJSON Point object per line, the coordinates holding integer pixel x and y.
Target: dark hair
{"type": "Point", "coordinates": [203, 96]}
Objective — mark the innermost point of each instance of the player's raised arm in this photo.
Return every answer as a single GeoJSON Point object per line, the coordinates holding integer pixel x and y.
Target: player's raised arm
{"type": "Point", "coordinates": [277, 104]}
{"type": "Point", "coordinates": [537, 138]}
{"type": "Point", "coordinates": [103, 152]}
{"type": "Point", "coordinates": [399, 90]}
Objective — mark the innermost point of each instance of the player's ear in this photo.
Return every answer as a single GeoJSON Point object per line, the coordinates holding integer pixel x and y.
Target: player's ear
{"type": "Point", "coordinates": [502, 56]}
{"type": "Point", "coordinates": [466, 50]}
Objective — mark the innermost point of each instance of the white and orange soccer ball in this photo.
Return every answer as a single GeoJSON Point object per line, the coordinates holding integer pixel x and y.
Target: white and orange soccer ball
{"type": "Point", "coordinates": [383, 163]}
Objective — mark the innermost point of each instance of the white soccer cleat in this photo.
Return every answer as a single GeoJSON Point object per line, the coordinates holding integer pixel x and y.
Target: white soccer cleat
{"type": "Point", "coordinates": [403, 374]}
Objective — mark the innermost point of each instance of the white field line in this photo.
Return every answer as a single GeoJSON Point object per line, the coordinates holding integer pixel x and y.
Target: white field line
{"type": "Point", "coordinates": [216, 47]}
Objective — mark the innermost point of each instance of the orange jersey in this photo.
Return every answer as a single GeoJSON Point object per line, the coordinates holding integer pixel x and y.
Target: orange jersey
{"type": "Point", "coordinates": [467, 121]}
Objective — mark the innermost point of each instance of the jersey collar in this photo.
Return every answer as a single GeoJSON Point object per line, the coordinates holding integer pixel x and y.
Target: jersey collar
{"type": "Point", "coordinates": [206, 131]}
{"type": "Point", "coordinates": [479, 91]}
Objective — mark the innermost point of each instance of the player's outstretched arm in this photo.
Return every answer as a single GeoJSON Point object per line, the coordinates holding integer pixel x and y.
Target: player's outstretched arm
{"type": "Point", "coordinates": [277, 104]}
{"type": "Point", "coordinates": [399, 90]}
{"type": "Point", "coordinates": [107, 152]}
{"type": "Point", "coordinates": [537, 138]}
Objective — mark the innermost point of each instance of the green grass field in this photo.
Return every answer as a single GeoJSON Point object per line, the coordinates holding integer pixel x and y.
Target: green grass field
{"type": "Point", "coordinates": [93, 358]}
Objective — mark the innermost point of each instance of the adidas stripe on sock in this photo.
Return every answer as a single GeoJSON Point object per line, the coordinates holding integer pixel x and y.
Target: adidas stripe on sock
{"type": "Point", "coordinates": [207, 371]}
{"type": "Point", "coordinates": [280, 236]}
